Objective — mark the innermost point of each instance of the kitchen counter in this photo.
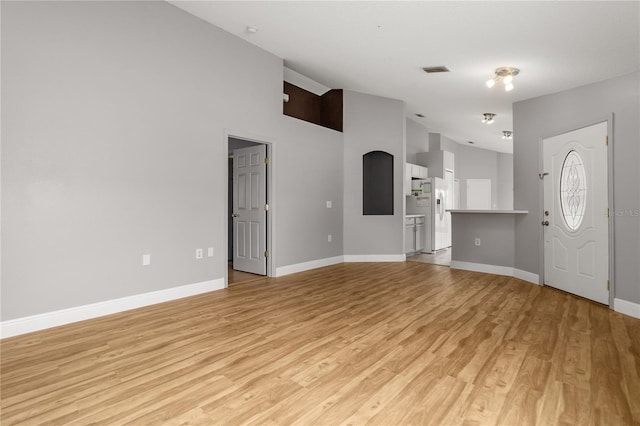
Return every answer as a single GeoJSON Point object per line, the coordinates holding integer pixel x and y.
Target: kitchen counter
{"type": "Point", "coordinates": [409, 216]}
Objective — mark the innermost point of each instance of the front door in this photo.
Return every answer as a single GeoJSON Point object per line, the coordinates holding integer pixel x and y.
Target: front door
{"type": "Point", "coordinates": [575, 219]}
{"type": "Point", "coordinates": [249, 209]}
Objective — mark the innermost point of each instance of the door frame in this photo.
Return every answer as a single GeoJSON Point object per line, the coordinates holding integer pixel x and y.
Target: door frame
{"type": "Point", "coordinates": [611, 222]}
{"type": "Point", "coordinates": [271, 213]}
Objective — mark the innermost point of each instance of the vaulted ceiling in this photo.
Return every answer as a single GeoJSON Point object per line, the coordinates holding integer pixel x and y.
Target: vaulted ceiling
{"type": "Point", "coordinates": [381, 47]}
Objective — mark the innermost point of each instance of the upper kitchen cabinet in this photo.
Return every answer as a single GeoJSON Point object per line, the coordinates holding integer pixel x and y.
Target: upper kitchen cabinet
{"type": "Point", "coordinates": [437, 162]}
{"type": "Point", "coordinates": [419, 172]}
{"type": "Point", "coordinates": [411, 172]}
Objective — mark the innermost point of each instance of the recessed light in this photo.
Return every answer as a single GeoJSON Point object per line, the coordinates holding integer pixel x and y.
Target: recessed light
{"type": "Point", "coordinates": [471, 142]}
{"type": "Point", "coordinates": [252, 30]}
{"type": "Point", "coordinates": [420, 115]}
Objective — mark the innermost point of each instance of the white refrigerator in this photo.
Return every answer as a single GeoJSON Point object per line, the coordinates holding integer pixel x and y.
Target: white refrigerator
{"type": "Point", "coordinates": [436, 197]}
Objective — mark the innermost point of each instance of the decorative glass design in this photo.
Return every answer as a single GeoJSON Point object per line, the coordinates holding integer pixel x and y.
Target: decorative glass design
{"type": "Point", "coordinates": [573, 190]}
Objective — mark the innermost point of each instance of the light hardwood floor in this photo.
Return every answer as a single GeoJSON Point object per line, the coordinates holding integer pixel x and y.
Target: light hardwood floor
{"type": "Point", "coordinates": [384, 344]}
{"type": "Point", "coordinates": [236, 277]}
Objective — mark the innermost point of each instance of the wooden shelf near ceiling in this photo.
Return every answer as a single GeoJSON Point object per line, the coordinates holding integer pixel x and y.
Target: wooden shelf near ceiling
{"type": "Point", "coordinates": [324, 110]}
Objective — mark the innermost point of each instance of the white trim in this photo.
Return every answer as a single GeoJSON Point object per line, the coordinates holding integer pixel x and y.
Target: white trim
{"type": "Point", "coordinates": [305, 266]}
{"type": "Point", "coordinates": [626, 307]}
{"type": "Point", "coordinates": [304, 82]}
{"type": "Point", "coordinates": [271, 197]}
{"type": "Point", "coordinates": [37, 322]}
{"type": "Point", "coordinates": [481, 267]}
{"type": "Point", "coordinates": [498, 270]}
{"type": "Point", "coordinates": [526, 276]}
{"type": "Point", "coordinates": [375, 257]}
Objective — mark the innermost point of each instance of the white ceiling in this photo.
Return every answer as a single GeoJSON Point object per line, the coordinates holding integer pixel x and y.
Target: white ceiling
{"type": "Point", "coordinates": [380, 48]}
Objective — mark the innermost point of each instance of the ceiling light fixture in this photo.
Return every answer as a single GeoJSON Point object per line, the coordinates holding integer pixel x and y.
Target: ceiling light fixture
{"type": "Point", "coordinates": [252, 30]}
{"type": "Point", "coordinates": [487, 117]}
{"type": "Point", "coordinates": [505, 74]}
{"type": "Point", "coordinates": [507, 134]}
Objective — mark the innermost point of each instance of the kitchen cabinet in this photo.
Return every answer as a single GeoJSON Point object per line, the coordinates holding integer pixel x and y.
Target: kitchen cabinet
{"type": "Point", "coordinates": [419, 172]}
{"type": "Point", "coordinates": [408, 172]}
{"type": "Point", "coordinates": [414, 229]}
{"type": "Point", "coordinates": [412, 172]}
{"type": "Point", "coordinates": [409, 237]}
{"type": "Point", "coordinates": [420, 228]}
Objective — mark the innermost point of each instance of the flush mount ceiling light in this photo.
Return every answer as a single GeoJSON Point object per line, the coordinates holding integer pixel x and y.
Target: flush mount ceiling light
{"type": "Point", "coordinates": [507, 134]}
{"type": "Point", "coordinates": [252, 30]}
{"type": "Point", "coordinates": [505, 74]}
{"type": "Point", "coordinates": [487, 117]}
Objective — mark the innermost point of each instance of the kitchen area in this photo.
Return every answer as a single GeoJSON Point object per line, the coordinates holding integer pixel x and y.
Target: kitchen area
{"type": "Point", "coordinates": [429, 193]}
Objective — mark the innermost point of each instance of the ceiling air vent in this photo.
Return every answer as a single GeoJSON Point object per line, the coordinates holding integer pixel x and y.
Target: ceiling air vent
{"type": "Point", "coordinates": [440, 68]}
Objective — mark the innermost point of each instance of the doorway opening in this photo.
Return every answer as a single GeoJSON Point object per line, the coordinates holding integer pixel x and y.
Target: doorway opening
{"type": "Point", "coordinates": [248, 224]}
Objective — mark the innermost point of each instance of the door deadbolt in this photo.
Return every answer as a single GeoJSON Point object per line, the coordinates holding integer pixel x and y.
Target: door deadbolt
{"type": "Point", "coordinates": [546, 212]}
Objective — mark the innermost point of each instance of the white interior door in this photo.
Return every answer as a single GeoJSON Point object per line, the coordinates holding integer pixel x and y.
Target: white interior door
{"type": "Point", "coordinates": [479, 194]}
{"type": "Point", "coordinates": [249, 209]}
{"type": "Point", "coordinates": [576, 228]}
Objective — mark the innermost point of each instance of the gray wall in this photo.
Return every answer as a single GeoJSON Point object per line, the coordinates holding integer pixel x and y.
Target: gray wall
{"type": "Point", "coordinates": [372, 123]}
{"type": "Point", "coordinates": [113, 124]}
{"type": "Point", "coordinates": [309, 172]}
{"type": "Point", "coordinates": [417, 140]}
{"type": "Point", "coordinates": [477, 163]}
{"type": "Point", "coordinates": [557, 113]}
{"type": "Point", "coordinates": [496, 233]}
{"type": "Point", "coordinates": [505, 181]}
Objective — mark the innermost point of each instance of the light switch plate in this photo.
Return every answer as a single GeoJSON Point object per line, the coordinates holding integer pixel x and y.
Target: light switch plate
{"type": "Point", "coordinates": [329, 204]}
{"type": "Point", "coordinates": [199, 253]}
{"type": "Point", "coordinates": [210, 252]}
{"type": "Point", "coordinates": [146, 259]}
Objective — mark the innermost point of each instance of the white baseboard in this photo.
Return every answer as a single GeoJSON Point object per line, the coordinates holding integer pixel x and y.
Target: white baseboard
{"type": "Point", "coordinates": [32, 323]}
{"type": "Point", "coordinates": [375, 257]}
{"type": "Point", "coordinates": [305, 266]}
{"type": "Point", "coordinates": [526, 276]}
{"type": "Point", "coordinates": [626, 307]}
{"type": "Point", "coordinates": [481, 267]}
{"type": "Point", "coordinates": [498, 270]}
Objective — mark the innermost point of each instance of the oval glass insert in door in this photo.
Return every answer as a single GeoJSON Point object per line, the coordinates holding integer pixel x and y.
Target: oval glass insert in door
{"type": "Point", "coordinates": [573, 190]}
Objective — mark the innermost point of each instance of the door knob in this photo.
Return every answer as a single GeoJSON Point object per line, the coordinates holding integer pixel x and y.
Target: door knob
{"type": "Point", "coordinates": [545, 223]}
{"type": "Point", "coordinates": [235, 215]}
